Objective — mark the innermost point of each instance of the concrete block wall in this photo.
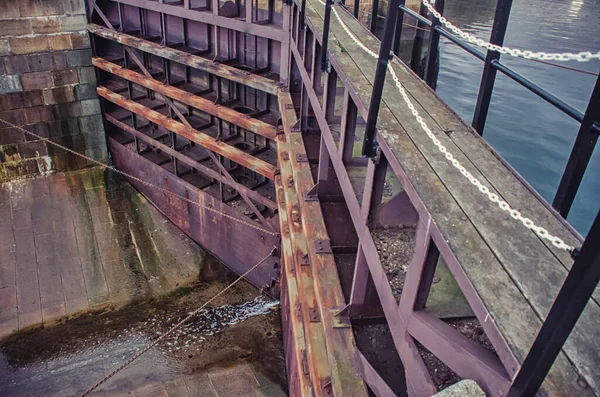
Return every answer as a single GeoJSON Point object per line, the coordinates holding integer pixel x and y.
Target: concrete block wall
{"type": "Point", "coordinates": [48, 85]}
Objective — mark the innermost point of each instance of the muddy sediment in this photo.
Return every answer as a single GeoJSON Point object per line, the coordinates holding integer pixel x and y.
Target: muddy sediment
{"type": "Point", "coordinates": [241, 329]}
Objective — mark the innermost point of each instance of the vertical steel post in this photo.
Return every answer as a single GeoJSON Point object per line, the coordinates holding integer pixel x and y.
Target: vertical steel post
{"type": "Point", "coordinates": [570, 302]}
{"type": "Point", "coordinates": [369, 145]}
{"type": "Point", "coordinates": [303, 15]}
{"type": "Point", "coordinates": [356, 8]}
{"type": "Point", "coordinates": [417, 50]}
{"type": "Point", "coordinates": [326, 23]}
{"type": "Point", "coordinates": [374, 13]}
{"type": "Point", "coordinates": [398, 33]}
{"type": "Point", "coordinates": [430, 75]}
{"type": "Point", "coordinates": [486, 87]}
{"type": "Point", "coordinates": [583, 148]}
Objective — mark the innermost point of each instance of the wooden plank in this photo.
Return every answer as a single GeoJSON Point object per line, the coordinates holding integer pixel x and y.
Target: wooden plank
{"type": "Point", "coordinates": [526, 258]}
{"type": "Point", "coordinates": [192, 163]}
{"type": "Point", "coordinates": [452, 222]}
{"type": "Point", "coordinates": [225, 71]}
{"type": "Point", "coordinates": [252, 163]}
{"type": "Point", "coordinates": [222, 112]}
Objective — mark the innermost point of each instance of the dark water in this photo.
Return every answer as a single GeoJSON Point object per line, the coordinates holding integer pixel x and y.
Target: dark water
{"type": "Point", "coordinates": [529, 133]}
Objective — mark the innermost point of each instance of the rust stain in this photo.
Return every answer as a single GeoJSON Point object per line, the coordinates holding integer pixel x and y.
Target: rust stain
{"type": "Point", "coordinates": [252, 163]}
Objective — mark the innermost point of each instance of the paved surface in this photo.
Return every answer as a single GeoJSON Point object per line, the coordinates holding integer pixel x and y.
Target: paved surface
{"type": "Point", "coordinates": [85, 240]}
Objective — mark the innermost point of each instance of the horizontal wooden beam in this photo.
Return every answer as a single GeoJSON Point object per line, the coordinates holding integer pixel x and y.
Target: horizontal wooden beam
{"type": "Point", "coordinates": [244, 159]}
{"type": "Point", "coordinates": [192, 163]}
{"type": "Point", "coordinates": [222, 112]}
{"type": "Point", "coordinates": [194, 61]}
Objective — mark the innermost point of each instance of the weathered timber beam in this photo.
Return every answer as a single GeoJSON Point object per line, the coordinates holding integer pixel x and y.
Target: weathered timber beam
{"type": "Point", "coordinates": [192, 163]}
{"type": "Point", "coordinates": [244, 159]}
{"type": "Point", "coordinates": [224, 71]}
{"type": "Point", "coordinates": [222, 112]}
{"type": "Point", "coordinates": [211, 19]}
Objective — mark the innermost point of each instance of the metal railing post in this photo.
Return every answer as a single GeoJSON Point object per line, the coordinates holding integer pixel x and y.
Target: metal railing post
{"type": "Point", "coordinates": [374, 14]}
{"type": "Point", "coordinates": [356, 8]}
{"type": "Point", "coordinates": [488, 77]}
{"type": "Point", "coordinates": [303, 15]}
{"type": "Point", "coordinates": [370, 147]}
{"type": "Point", "coordinates": [583, 148]}
{"type": "Point", "coordinates": [398, 33]}
{"type": "Point", "coordinates": [570, 302]}
{"type": "Point", "coordinates": [417, 50]}
{"type": "Point", "coordinates": [430, 75]}
{"type": "Point", "coordinates": [325, 66]}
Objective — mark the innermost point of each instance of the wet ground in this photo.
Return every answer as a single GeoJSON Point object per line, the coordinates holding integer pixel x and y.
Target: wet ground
{"type": "Point", "coordinates": [234, 348]}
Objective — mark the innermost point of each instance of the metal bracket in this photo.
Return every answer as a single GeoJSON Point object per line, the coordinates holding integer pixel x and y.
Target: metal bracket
{"type": "Point", "coordinates": [326, 65]}
{"type": "Point", "coordinates": [313, 315]}
{"type": "Point", "coordinates": [326, 386]}
{"type": "Point", "coordinates": [323, 247]}
{"type": "Point", "coordinates": [289, 106]}
{"type": "Point", "coordinates": [298, 311]}
{"type": "Point", "coordinates": [285, 156]}
{"type": "Point", "coordinates": [341, 318]}
{"type": "Point", "coordinates": [301, 158]}
{"type": "Point", "coordinates": [296, 127]}
{"type": "Point", "coordinates": [374, 152]}
{"type": "Point", "coordinates": [312, 194]}
{"type": "Point", "coordinates": [305, 369]}
{"type": "Point", "coordinates": [305, 260]}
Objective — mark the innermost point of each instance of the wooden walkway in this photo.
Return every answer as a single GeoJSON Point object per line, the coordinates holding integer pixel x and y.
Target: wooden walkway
{"type": "Point", "coordinates": [73, 242]}
{"type": "Point", "coordinates": [508, 274]}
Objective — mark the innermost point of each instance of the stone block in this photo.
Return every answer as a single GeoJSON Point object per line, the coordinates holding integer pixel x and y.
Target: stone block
{"type": "Point", "coordinates": [94, 139]}
{"type": "Point", "coordinates": [45, 25]}
{"type": "Point", "coordinates": [80, 40]}
{"type": "Point", "coordinates": [2, 67]}
{"type": "Point", "coordinates": [73, 23]}
{"type": "Point", "coordinates": [33, 149]}
{"type": "Point", "coordinates": [58, 95]}
{"type": "Point", "coordinates": [67, 110]}
{"type": "Point", "coordinates": [53, 7]}
{"type": "Point", "coordinates": [39, 114]}
{"type": "Point", "coordinates": [79, 58]}
{"type": "Point", "coordinates": [75, 142]}
{"type": "Point", "coordinates": [36, 80]}
{"type": "Point", "coordinates": [40, 62]}
{"type": "Point", "coordinates": [16, 64]}
{"type": "Point", "coordinates": [28, 45]}
{"type": "Point", "coordinates": [60, 42]}
{"type": "Point", "coordinates": [61, 128]}
{"type": "Point", "coordinates": [40, 129]}
{"type": "Point", "coordinates": [90, 107]}
{"type": "Point", "coordinates": [10, 83]}
{"type": "Point", "coordinates": [15, 27]}
{"type": "Point", "coordinates": [10, 8]}
{"type": "Point", "coordinates": [99, 154]}
{"type": "Point", "coordinates": [90, 124]}
{"type": "Point", "coordinates": [464, 388]}
{"type": "Point", "coordinates": [87, 74]}
{"type": "Point", "coordinates": [4, 47]}
{"type": "Point", "coordinates": [65, 77]}
{"type": "Point", "coordinates": [60, 60]}
{"type": "Point", "coordinates": [18, 100]}
{"type": "Point", "coordinates": [73, 7]}
{"type": "Point", "coordinates": [16, 116]}
{"type": "Point", "coordinates": [85, 91]}
{"type": "Point", "coordinates": [11, 136]}
{"type": "Point", "coordinates": [31, 8]}
{"type": "Point", "coordinates": [32, 98]}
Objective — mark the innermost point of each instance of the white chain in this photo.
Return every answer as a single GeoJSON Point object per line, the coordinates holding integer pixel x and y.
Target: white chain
{"type": "Point", "coordinates": [493, 197]}
{"type": "Point", "coordinates": [542, 56]}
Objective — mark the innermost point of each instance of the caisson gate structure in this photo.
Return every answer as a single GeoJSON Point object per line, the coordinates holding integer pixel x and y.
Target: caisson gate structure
{"type": "Point", "coordinates": [284, 134]}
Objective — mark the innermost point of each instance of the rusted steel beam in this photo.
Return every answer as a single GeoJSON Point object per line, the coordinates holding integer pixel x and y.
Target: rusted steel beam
{"type": "Point", "coordinates": [294, 336]}
{"type": "Point", "coordinates": [316, 349]}
{"type": "Point", "coordinates": [222, 112]}
{"type": "Point", "coordinates": [192, 163]}
{"type": "Point", "coordinates": [244, 159]}
{"type": "Point", "coordinates": [346, 377]}
{"type": "Point", "coordinates": [221, 70]}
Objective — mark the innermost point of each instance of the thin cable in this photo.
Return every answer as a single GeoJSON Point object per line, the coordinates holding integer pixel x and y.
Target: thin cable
{"type": "Point", "coordinates": [135, 178]}
{"type": "Point", "coordinates": [173, 328]}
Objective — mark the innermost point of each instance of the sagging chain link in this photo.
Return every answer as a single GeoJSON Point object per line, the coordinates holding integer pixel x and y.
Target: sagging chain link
{"type": "Point", "coordinates": [135, 178]}
{"type": "Point", "coordinates": [515, 52]}
{"type": "Point", "coordinates": [493, 197]}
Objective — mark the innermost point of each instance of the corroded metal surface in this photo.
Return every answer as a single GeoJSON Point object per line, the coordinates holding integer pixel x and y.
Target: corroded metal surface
{"type": "Point", "coordinates": [210, 143]}
{"type": "Point", "coordinates": [222, 112]}
{"type": "Point", "coordinates": [215, 68]}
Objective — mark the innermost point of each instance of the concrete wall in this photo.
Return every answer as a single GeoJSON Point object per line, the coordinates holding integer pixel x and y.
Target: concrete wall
{"type": "Point", "coordinates": [47, 84]}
